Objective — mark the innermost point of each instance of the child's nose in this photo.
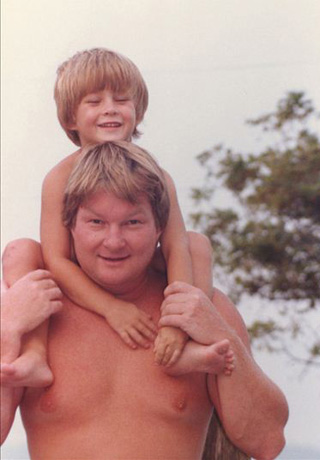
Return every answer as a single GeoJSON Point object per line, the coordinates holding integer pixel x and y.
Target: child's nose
{"type": "Point", "coordinates": [109, 106]}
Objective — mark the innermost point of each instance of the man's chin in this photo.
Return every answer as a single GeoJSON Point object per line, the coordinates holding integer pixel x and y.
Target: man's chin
{"type": "Point", "coordinates": [112, 284]}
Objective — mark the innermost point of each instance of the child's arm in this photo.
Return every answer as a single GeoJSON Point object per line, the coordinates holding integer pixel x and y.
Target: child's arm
{"type": "Point", "coordinates": [174, 241]}
{"type": "Point", "coordinates": [175, 248]}
{"type": "Point", "coordinates": [188, 257]}
{"type": "Point", "coordinates": [133, 326]}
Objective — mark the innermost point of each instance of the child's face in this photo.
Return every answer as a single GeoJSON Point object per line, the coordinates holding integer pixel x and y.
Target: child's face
{"type": "Point", "coordinates": [104, 116]}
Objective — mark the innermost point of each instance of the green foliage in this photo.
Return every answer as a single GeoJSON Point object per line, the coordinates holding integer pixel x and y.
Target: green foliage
{"type": "Point", "coordinates": [268, 242]}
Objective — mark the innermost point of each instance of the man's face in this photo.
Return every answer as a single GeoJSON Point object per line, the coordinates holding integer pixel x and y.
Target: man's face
{"type": "Point", "coordinates": [115, 240]}
{"type": "Point", "coordinates": [104, 116]}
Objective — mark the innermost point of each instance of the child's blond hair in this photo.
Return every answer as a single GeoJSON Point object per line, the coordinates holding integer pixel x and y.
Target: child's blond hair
{"type": "Point", "coordinates": [94, 70]}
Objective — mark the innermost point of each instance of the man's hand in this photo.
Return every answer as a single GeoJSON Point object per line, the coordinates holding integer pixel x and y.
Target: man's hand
{"type": "Point", "coordinates": [189, 309]}
{"type": "Point", "coordinates": [169, 345]}
{"type": "Point", "coordinates": [29, 302]}
{"type": "Point", "coordinates": [134, 326]}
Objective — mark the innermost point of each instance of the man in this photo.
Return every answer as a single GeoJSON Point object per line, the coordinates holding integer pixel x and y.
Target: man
{"type": "Point", "coordinates": [110, 402]}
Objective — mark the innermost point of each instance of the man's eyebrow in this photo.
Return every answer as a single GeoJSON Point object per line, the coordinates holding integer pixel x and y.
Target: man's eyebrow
{"type": "Point", "coordinates": [139, 210]}
{"type": "Point", "coordinates": [87, 208]}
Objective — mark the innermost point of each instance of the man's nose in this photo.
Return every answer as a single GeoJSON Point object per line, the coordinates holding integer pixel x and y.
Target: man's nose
{"type": "Point", "coordinates": [113, 239]}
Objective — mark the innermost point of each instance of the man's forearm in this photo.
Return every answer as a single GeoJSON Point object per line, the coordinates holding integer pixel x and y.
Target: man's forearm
{"type": "Point", "coordinates": [252, 408]}
{"type": "Point", "coordinates": [29, 302]}
{"type": "Point", "coordinates": [11, 328]}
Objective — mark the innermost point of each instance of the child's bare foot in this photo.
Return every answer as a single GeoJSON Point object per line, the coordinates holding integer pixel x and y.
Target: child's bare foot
{"type": "Point", "coordinates": [28, 370]}
{"type": "Point", "coordinates": [211, 359]}
{"type": "Point", "coordinates": [229, 362]}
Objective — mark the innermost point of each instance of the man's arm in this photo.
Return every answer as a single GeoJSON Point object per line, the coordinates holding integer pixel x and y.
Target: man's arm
{"type": "Point", "coordinates": [29, 302]}
{"type": "Point", "coordinates": [255, 414]}
{"type": "Point", "coordinates": [251, 407]}
{"type": "Point", "coordinates": [24, 306]}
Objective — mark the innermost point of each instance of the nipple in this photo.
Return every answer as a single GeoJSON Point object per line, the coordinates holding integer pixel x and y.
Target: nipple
{"type": "Point", "coordinates": [180, 403]}
{"type": "Point", "coordinates": [47, 403]}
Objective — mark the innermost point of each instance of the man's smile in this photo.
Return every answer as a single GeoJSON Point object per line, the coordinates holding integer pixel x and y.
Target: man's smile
{"type": "Point", "coordinates": [113, 259]}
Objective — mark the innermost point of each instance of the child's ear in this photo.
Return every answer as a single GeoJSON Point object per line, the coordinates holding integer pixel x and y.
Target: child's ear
{"type": "Point", "coordinates": [72, 125]}
{"type": "Point", "coordinates": [136, 131]}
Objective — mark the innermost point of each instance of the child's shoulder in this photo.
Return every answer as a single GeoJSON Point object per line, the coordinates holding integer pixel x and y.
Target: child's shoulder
{"type": "Point", "coordinates": [60, 173]}
{"type": "Point", "coordinates": [64, 167]}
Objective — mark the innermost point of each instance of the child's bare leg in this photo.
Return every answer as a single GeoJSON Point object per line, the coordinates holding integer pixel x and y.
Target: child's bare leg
{"type": "Point", "coordinates": [211, 359]}
{"type": "Point", "coordinates": [202, 262]}
{"type": "Point", "coordinates": [21, 257]}
{"type": "Point", "coordinates": [30, 369]}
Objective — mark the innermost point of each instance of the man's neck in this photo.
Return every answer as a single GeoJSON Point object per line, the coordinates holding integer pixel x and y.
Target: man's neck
{"type": "Point", "coordinates": [137, 290]}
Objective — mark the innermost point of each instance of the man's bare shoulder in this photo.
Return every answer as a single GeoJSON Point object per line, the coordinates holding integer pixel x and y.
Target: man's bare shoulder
{"type": "Point", "coordinates": [231, 315]}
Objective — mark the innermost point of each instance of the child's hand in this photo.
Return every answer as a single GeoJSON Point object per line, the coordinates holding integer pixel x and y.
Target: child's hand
{"type": "Point", "coordinates": [134, 326]}
{"type": "Point", "coordinates": [169, 345]}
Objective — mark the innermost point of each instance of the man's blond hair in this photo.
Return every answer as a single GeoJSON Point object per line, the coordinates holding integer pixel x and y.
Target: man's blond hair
{"type": "Point", "coordinates": [91, 71]}
{"type": "Point", "coordinates": [123, 169]}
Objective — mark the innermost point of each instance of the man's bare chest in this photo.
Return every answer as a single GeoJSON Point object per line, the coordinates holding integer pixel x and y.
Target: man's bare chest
{"type": "Point", "coordinates": [96, 373]}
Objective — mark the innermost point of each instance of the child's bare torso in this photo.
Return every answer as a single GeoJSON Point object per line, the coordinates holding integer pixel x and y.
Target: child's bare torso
{"type": "Point", "coordinates": [111, 402]}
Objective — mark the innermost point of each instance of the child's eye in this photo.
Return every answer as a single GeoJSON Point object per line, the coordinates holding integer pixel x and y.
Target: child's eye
{"type": "Point", "coordinates": [92, 101]}
{"type": "Point", "coordinates": [93, 98]}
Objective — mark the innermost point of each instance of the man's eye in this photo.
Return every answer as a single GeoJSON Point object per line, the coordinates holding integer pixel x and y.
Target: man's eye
{"type": "Point", "coordinates": [96, 221]}
{"type": "Point", "coordinates": [134, 222]}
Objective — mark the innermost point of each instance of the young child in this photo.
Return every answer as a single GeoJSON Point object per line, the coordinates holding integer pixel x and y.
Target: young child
{"type": "Point", "coordinates": [101, 96]}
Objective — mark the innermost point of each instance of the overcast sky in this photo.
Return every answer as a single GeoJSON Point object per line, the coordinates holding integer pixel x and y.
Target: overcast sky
{"type": "Point", "coordinates": [209, 65]}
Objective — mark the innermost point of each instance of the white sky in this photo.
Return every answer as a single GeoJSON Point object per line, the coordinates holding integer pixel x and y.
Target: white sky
{"type": "Point", "coordinates": [209, 65]}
